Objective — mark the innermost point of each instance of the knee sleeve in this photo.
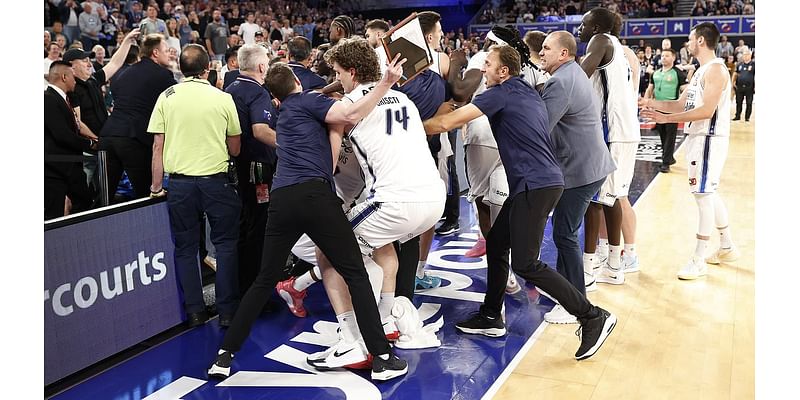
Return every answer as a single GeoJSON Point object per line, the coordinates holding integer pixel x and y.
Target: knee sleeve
{"type": "Point", "coordinates": [375, 273]}
{"type": "Point", "coordinates": [720, 212]}
{"type": "Point", "coordinates": [705, 208]}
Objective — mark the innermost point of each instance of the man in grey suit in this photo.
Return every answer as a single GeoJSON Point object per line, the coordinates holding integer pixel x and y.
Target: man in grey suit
{"type": "Point", "coordinates": [581, 152]}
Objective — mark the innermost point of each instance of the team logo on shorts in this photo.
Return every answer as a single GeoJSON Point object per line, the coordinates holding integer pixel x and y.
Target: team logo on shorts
{"type": "Point", "coordinates": [692, 181]}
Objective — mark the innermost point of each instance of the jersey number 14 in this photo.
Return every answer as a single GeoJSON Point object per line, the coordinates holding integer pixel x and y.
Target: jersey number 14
{"type": "Point", "coordinates": [400, 116]}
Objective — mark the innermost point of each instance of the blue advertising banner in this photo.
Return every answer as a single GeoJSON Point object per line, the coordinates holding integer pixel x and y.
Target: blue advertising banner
{"type": "Point", "coordinates": [109, 283]}
{"type": "Point", "coordinates": [679, 27]}
{"type": "Point", "coordinates": [649, 27]}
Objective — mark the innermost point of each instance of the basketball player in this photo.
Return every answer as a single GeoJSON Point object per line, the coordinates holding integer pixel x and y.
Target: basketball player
{"type": "Point", "coordinates": [303, 201]}
{"type": "Point", "coordinates": [518, 119]}
{"type": "Point", "coordinates": [607, 66]}
{"type": "Point", "coordinates": [404, 194]}
{"type": "Point", "coordinates": [706, 106]}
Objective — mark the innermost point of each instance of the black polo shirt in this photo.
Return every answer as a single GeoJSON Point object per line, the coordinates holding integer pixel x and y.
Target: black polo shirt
{"type": "Point", "coordinates": [89, 97]}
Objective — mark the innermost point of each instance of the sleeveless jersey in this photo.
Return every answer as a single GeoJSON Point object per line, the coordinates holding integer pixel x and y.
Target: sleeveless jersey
{"type": "Point", "coordinates": [478, 130]}
{"type": "Point", "coordinates": [391, 146]}
{"type": "Point", "coordinates": [618, 103]}
{"type": "Point", "coordinates": [348, 176]}
{"type": "Point", "coordinates": [720, 123]}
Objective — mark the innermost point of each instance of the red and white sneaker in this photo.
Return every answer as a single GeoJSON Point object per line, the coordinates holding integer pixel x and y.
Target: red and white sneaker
{"type": "Point", "coordinates": [478, 250]}
{"type": "Point", "coordinates": [390, 329]}
{"type": "Point", "coordinates": [292, 297]}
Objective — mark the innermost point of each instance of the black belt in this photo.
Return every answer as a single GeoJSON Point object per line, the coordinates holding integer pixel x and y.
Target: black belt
{"type": "Point", "coordinates": [182, 176]}
{"type": "Point", "coordinates": [318, 179]}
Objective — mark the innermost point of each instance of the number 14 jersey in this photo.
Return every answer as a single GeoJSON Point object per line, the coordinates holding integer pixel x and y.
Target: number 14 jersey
{"type": "Point", "coordinates": [392, 149]}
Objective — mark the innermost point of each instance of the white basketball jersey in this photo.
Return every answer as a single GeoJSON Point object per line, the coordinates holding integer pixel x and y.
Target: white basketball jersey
{"type": "Point", "coordinates": [383, 61]}
{"type": "Point", "coordinates": [618, 103]}
{"type": "Point", "coordinates": [478, 130]}
{"type": "Point", "coordinates": [437, 63]}
{"type": "Point", "coordinates": [720, 123]}
{"type": "Point", "coordinates": [391, 146]}
{"type": "Point", "coordinates": [348, 176]}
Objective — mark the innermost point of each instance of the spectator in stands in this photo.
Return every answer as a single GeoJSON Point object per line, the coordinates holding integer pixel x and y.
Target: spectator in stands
{"type": "Point", "coordinates": [152, 24]}
{"type": "Point", "coordinates": [196, 129]}
{"type": "Point", "coordinates": [53, 54]}
{"type": "Point", "coordinates": [99, 57]}
{"type": "Point", "coordinates": [172, 35]}
{"type": "Point", "coordinates": [724, 47]}
{"type": "Point", "coordinates": [216, 36]}
{"type": "Point", "coordinates": [90, 25]}
{"type": "Point", "coordinates": [166, 12]}
{"type": "Point", "coordinates": [124, 136]}
{"type": "Point", "coordinates": [739, 50]}
{"type": "Point", "coordinates": [249, 28]}
{"type": "Point", "coordinates": [300, 61]}
{"type": "Point", "coordinates": [135, 15]}
{"type": "Point", "coordinates": [47, 40]}
{"type": "Point", "coordinates": [61, 138]}
{"type": "Point", "coordinates": [184, 31]}
{"type": "Point", "coordinates": [69, 11]}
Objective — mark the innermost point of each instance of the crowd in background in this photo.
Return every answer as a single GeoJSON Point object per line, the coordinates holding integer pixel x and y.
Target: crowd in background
{"type": "Point", "coordinates": [723, 7]}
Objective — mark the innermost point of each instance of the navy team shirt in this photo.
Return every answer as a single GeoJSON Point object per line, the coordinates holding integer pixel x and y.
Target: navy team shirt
{"type": "Point", "coordinates": [518, 118]}
{"type": "Point", "coordinates": [427, 91]}
{"type": "Point", "coordinates": [254, 106]}
{"type": "Point", "coordinates": [308, 79]}
{"type": "Point", "coordinates": [304, 149]}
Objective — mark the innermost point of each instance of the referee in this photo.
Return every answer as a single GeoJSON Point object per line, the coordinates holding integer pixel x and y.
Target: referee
{"type": "Point", "coordinates": [667, 84]}
{"type": "Point", "coordinates": [196, 128]}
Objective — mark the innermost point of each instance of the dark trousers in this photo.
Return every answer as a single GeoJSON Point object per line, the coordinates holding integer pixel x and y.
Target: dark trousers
{"type": "Point", "coordinates": [310, 207]}
{"type": "Point", "coordinates": [567, 219]}
{"type": "Point", "coordinates": [129, 155]}
{"type": "Point", "coordinates": [452, 204]}
{"type": "Point", "coordinates": [73, 186]}
{"type": "Point", "coordinates": [520, 227]}
{"type": "Point", "coordinates": [252, 227]}
{"type": "Point", "coordinates": [743, 94]}
{"type": "Point", "coordinates": [188, 198]}
{"type": "Point", "coordinates": [667, 133]}
{"type": "Point", "coordinates": [407, 259]}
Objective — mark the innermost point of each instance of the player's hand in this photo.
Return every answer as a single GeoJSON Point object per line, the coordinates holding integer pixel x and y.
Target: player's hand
{"type": "Point", "coordinates": [644, 103]}
{"type": "Point", "coordinates": [394, 71]}
{"type": "Point", "coordinates": [653, 116]}
{"type": "Point", "coordinates": [132, 35]}
{"type": "Point", "coordinates": [458, 57]}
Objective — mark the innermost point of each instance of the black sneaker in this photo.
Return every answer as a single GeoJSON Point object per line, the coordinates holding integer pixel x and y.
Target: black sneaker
{"type": "Point", "coordinates": [480, 324]}
{"type": "Point", "coordinates": [383, 370]}
{"type": "Point", "coordinates": [447, 228]}
{"type": "Point", "coordinates": [594, 332]}
{"type": "Point", "coordinates": [736, 118]}
{"type": "Point", "coordinates": [664, 169]}
{"type": "Point", "coordinates": [221, 368]}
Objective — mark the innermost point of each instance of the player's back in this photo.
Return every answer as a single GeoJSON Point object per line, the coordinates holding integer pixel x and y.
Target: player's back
{"type": "Point", "coordinates": [720, 123]}
{"type": "Point", "coordinates": [618, 103]}
{"type": "Point", "coordinates": [390, 144]}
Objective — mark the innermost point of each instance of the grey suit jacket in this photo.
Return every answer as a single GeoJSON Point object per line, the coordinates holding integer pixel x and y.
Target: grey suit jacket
{"type": "Point", "coordinates": [575, 127]}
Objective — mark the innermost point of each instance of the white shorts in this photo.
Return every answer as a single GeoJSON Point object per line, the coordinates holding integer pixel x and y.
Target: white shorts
{"type": "Point", "coordinates": [377, 224]}
{"type": "Point", "coordinates": [618, 182]}
{"type": "Point", "coordinates": [481, 162]}
{"type": "Point", "coordinates": [304, 249]}
{"type": "Point", "coordinates": [705, 156]}
{"type": "Point", "coordinates": [498, 188]}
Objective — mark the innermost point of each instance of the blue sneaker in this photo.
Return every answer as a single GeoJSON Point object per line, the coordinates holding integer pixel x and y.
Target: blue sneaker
{"type": "Point", "coordinates": [428, 282]}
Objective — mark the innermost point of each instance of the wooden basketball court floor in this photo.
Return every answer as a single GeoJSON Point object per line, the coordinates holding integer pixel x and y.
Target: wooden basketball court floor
{"type": "Point", "coordinates": [674, 339]}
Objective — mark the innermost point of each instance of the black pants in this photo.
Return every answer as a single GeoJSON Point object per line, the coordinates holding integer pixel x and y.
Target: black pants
{"type": "Point", "coordinates": [73, 185]}
{"type": "Point", "coordinates": [451, 205]}
{"type": "Point", "coordinates": [520, 227]}
{"type": "Point", "coordinates": [132, 156]}
{"type": "Point", "coordinates": [252, 226]}
{"type": "Point", "coordinates": [667, 132]}
{"type": "Point", "coordinates": [407, 259]}
{"type": "Point", "coordinates": [741, 95]}
{"type": "Point", "coordinates": [310, 207]}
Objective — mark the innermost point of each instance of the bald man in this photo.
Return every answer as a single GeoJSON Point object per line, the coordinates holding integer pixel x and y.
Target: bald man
{"type": "Point", "coordinates": [576, 132]}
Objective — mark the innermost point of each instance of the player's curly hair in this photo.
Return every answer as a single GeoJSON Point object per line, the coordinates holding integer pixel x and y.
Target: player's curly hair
{"type": "Point", "coordinates": [356, 53]}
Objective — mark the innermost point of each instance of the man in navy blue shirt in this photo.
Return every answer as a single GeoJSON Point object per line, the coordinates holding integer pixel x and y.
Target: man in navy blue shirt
{"type": "Point", "coordinates": [519, 122]}
{"type": "Point", "coordinates": [300, 60]}
{"type": "Point", "coordinates": [255, 164]}
{"type": "Point", "coordinates": [303, 200]}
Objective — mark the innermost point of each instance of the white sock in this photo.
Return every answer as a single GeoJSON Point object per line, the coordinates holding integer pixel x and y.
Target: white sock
{"type": "Point", "coordinates": [700, 250]}
{"type": "Point", "coordinates": [602, 247]}
{"type": "Point", "coordinates": [304, 281]}
{"type": "Point", "coordinates": [630, 250]}
{"type": "Point", "coordinates": [421, 269]}
{"type": "Point", "coordinates": [614, 254]}
{"type": "Point", "coordinates": [385, 304]}
{"type": "Point", "coordinates": [725, 241]}
{"type": "Point", "coordinates": [348, 326]}
{"type": "Point", "coordinates": [588, 262]}
{"type": "Point", "coordinates": [384, 357]}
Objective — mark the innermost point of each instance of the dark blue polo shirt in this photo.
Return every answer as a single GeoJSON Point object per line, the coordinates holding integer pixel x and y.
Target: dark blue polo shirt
{"type": "Point", "coordinates": [308, 79]}
{"type": "Point", "coordinates": [518, 118]}
{"type": "Point", "coordinates": [254, 106]}
{"type": "Point", "coordinates": [427, 91]}
{"type": "Point", "coordinates": [304, 149]}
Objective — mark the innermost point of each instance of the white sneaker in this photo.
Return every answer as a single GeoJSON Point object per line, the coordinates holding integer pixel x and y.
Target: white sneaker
{"type": "Point", "coordinates": [341, 354]}
{"type": "Point", "coordinates": [694, 269]}
{"type": "Point", "coordinates": [590, 281]}
{"type": "Point", "coordinates": [559, 315]}
{"type": "Point", "coordinates": [390, 329]}
{"type": "Point", "coordinates": [724, 256]}
{"type": "Point", "coordinates": [608, 275]}
{"type": "Point", "coordinates": [629, 263]}
{"type": "Point", "coordinates": [512, 286]}
{"type": "Point", "coordinates": [601, 258]}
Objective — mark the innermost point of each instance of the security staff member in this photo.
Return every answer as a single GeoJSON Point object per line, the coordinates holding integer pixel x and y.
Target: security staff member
{"type": "Point", "coordinates": [196, 127]}
{"type": "Point", "coordinates": [744, 80]}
